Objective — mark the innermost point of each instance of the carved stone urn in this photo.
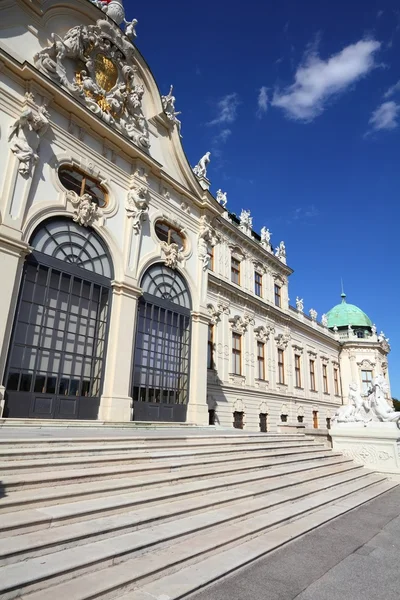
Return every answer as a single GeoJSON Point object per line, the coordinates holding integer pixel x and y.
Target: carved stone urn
{"type": "Point", "coordinates": [116, 11]}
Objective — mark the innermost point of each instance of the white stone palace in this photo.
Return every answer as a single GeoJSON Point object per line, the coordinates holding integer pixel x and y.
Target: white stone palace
{"type": "Point", "coordinates": [128, 291]}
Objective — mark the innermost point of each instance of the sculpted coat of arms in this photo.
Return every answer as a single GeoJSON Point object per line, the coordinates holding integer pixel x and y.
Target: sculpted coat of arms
{"type": "Point", "coordinates": [95, 63]}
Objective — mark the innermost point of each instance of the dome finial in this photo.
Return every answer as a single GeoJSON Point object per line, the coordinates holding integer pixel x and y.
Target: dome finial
{"type": "Point", "coordinates": [343, 295]}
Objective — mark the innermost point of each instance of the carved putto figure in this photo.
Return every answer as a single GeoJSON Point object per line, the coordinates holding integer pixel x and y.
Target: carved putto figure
{"type": "Point", "coordinates": [201, 168]}
{"type": "Point", "coordinates": [86, 211]}
{"type": "Point", "coordinates": [94, 64]}
{"type": "Point", "coordinates": [172, 256]}
{"type": "Point", "coordinates": [313, 314]}
{"type": "Point", "coordinates": [280, 251]}
{"type": "Point", "coordinates": [208, 237]}
{"type": "Point", "coordinates": [25, 136]}
{"type": "Point", "coordinates": [324, 320]}
{"type": "Point", "coordinates": [168, 103]}
{"type": "Point", "coordinates": [374, 329]}
{"type": "Point", "coordinates": [300, 304]}
{"type": "Point", "coordinates": [130, 29]}
{"type": "Point", "coordinates": [137, 206]}
{"type": "Point", "coordinates": [352, 411]}
{"type": "Point", "coordinates": [222, 198]}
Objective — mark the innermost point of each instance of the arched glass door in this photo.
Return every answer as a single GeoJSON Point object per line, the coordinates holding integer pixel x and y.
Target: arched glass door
{"type": "Point", "coordinates": [56, 358]}
{"type": "Point", "coordinates": [162, 348]}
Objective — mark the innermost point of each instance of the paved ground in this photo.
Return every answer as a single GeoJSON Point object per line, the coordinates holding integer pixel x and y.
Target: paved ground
{"type": "Point", "coordinates": [356, 557]}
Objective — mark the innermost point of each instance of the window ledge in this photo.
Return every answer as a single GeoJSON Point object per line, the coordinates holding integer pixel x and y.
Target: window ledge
{"type": "Point", "coordinates": [296, 387]}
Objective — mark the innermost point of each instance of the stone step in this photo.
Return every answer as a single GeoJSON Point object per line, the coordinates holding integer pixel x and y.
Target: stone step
{"type": "Point", "coordinates": [73, 503]}
{"type": "Point", "coordinates": [104, 443]}
{"type": "Point", "coordinates": [21, 480]}
{"type": "Point", "coordinates": [200, 574]}
{"type": "Point", "coordinates": [176, 458]}
{"type": "Point", "coordinates": [148, 480]}
{"type": "Point", "coordinates": [28, 545]}
{"type": "Point", "coordinates": [82, 572]}
{"type": "Point", "coordinates": [19, 455]}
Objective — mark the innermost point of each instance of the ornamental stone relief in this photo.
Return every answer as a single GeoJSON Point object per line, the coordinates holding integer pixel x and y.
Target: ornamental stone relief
{"type": "Point", "coordinates": [26, 133]}
{"type": "Point", "coordinates": [216, 312]}
{"type": "Point", "coordinates": [86, 211]}
{"type": "Point", "coordinates": [240, 324]}
{"type": "Point", "coordinates": [137, 206]}
{"type": "Point", "coordinates": [263, 333]}
{"type": "Point", "coordinates": [94, 63]}
{"type": "Point", "coordinates": [208, 237]}
{"type": "Point", "coordinates": [172, 255]}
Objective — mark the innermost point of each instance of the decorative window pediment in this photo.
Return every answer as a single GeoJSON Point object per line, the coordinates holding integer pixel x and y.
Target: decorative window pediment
{"type": "Point", "coordinates": [263, 333]}
{"type": "Point", "coordinates": [240, 324]}
{"type": "Point", "coordinates": [282, 340]}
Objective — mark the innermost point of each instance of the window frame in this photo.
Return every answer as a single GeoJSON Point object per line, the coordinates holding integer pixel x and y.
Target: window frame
{"type": "Point", "coordinates": [325, 378]}
{"type": "Point", "coordinates": [235, 270]}
{"type": "Point", "coordinates": [278, 295]}
{"type": "Point", "coordinates": [261, 360]}
{"type": "Point", "coordinates": [336, 381]}
{"type": "Point", "coordinates": [312, 375]}
{"type": "Point", "coordinates": [297, 370]}
{"type": "Point", "coordinates": [281, 366]}
{"type": "Point", "coordinates": [211, 262]}
{"type": "Point", "coordinates": [85, 178]}
{"type": "Point", "coordinates": [236, 353]}
{"type": "Point", "coordinates": [168, 239]}
{"type": "Point", "coordinates": [210, 347]}
{"type": "Point", "coordinates": [367, 381]}
{"type": "Point", "coordinates": [258, 284]}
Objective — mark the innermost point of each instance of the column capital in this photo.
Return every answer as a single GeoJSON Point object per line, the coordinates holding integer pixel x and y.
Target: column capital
{"type": "Point", "coordinates": [123, 288]}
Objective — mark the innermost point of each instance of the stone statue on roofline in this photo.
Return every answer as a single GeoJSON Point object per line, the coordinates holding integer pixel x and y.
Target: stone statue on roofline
{"type": "Point", "coordinates": [222, 198]}
{"type": "Point", "coordinates": [168, 103]}
{"type": "Point", "coordinates": [201, 168]}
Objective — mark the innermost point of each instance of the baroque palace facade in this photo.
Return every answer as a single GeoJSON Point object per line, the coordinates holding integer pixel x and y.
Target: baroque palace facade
{"type": "Point", "coordinates": [127, 290]}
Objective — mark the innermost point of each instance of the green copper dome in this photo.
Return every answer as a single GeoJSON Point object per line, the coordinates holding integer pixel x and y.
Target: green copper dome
{"type": "Point", "coordinates": [345, 314]}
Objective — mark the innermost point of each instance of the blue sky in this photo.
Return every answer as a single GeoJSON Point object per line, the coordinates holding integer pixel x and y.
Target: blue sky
{"type": "Point", "coordinates": [299, 103]}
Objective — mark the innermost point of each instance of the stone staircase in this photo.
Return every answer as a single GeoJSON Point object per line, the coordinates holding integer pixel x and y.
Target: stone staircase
{"type": "Point", "coordinates": [160, 516]}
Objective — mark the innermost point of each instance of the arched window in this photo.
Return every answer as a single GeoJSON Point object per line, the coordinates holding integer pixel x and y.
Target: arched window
{"type": "Point", "coordinates": [165, 283]}
{"type": "Point", "coordinates": [77, 181]}
{"type": "Point", "coordinates": [162, 347]}
{"type": "Point", "coordinates": [57, 356]}
{"type": "Point", "coordinates": [75, 245]}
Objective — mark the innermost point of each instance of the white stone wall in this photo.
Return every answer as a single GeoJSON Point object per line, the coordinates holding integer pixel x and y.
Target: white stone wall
{"type": "Point", "coordinates": [78, 138]}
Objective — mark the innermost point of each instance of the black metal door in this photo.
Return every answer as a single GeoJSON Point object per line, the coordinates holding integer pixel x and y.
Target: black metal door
{"type": "Point", "coordinates": [162, 349]}
{"type": "Point", "coordinates": [56, 359]}
{"type": "Point", "coordinates": [238, 420]}
{"type": "Point", "coordinates": [263, 422]}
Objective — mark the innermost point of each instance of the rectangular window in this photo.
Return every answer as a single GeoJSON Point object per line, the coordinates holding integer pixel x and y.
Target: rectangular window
{"type": "Point", "coordinates": [297, 369]}
{"type": "Point", "coordinates": [281, 366]}
{"type": "Point", "coordinates": [325, 378]}
{"type": "Point", "coordinates": [261, 360]}
{"type": "Point", "coordinates": [211, 257]}
{"type": "Point", "coordinates": [336, 381]}
{"type": "Point", "coordinates": [366, 377]}
{"type": "Point", "coordinates": [258, 284]}
{"type": "Point", "coordinates": [312, 376]}
{"type": "Point", "coordinates": [315, 419]}
{"type": "Point", "coordinates": [278, 298]}
{"type": "Point", "coordinates": [237, 353]}
{"type": "Point", "coordinates": [210, 356]}
{"type": "Point", "coordinates": [235, 270]}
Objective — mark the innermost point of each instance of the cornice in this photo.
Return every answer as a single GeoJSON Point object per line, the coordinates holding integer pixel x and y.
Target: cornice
{"type": "Point", "coordinates": [258, 251]}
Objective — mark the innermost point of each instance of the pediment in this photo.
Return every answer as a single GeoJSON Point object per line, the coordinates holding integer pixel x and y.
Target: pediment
{"type": "Point", "coordinates": [96, 65]}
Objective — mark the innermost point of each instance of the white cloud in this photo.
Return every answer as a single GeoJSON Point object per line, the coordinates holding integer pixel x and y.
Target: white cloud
{"type": "Point", "coordinates": [385, 116]}
{"type": "Point", "coordinates": [317, 80]}
{"type": "Point", "coordinates": [262, 101]}
{"type": "Point", "coordinates": [227, 110]}
{"type": "Point", "coordinates": [219, 140]}
{"type": "Point", "coordinates": [393, 90]}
